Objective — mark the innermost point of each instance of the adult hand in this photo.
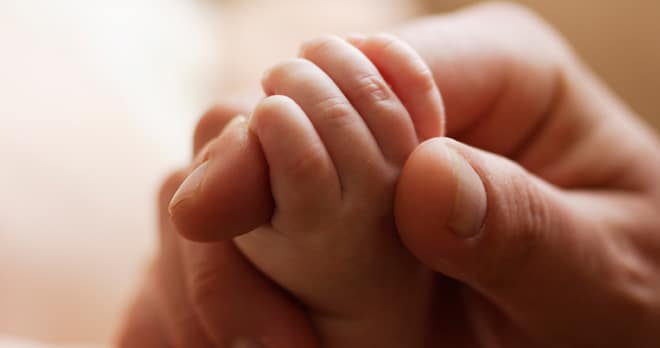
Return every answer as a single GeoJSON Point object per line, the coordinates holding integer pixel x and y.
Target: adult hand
{"type": "Point", "coordinates": [202, 295]}
{"type": "Point", "coordinates": [541, 219]}
{"type": "Point", "coordinates": [546, 206]}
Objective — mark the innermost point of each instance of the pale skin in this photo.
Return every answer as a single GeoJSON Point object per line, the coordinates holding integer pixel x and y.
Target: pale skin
{"type": "Point", "coordinates": [537, 223]}
{"type": "Point", "coordinates": [335, 129]}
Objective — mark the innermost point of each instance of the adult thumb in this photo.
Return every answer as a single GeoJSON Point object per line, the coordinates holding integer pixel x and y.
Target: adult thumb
{"type": "Point", "coordinates": [485, 221]}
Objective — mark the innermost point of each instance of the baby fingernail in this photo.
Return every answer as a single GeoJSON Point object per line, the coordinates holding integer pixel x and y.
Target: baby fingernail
{"type": "Point", "coordinates": [246, 343]}
{"type": "Point", "coordinates": [470, 201]}
{"type": "Point", "coordinates": [190, 185]}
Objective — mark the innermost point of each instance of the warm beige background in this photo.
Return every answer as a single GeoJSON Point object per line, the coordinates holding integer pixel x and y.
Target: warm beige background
{"type": "Point", "coordinates": [619, 39]}
{"type": "Point", "coordinates": [98, 100]}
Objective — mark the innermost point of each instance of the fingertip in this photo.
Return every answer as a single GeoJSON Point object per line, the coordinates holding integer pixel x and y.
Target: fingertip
{"type": "Point", "coordinates": [167, 189]}
{"type": "Point", "coordinates": [411, 79]}
{"type": "Point", "coordinates": [310, 46]}
{"type": "Point", "coordinates": [277, 74]}
{"type": "Point", "coordinates": [228, 194]}
{"type": "Point", "coordinates": [299, 167]}
{"type": "Point", "coordinates": [211, 124]}
{"type": "Point", "coordinates": [270, 118]}
{"type": "Point", "coordinates": [424, 199]}
{"type": "Point", "coordinates": [267, 111]}
{"type": "Point", "coordinates": [440, 206]}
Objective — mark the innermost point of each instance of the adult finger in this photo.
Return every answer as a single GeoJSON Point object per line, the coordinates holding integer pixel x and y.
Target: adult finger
{"type": "Point", "coordinates": [228, 192]}
{"type": "Point", "coordinates": [512, 86]}
{"type": "Point", "coordinates": [238, 306]}
{"type": "Point", "coordinates": [143, 326]}
{"type": "Point", "coordinates": [211, 124]}
{"type": "Point", "coordinates": [546, 257]}
{"type": "Point", "coordinates": [180, 321]}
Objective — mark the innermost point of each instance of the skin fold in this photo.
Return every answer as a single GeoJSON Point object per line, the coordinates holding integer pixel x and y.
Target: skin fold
{"type": "Point", "coordinates": [334, 129]}
{"type": "Point", "coordinates": [537, 218]}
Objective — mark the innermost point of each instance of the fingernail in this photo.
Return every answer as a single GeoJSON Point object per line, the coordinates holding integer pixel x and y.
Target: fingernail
{"type": "Point", "coordinates": [470, 201]}
{"type": "Point", "coordinates": [246, 343]}
{"type": "Point", "coordinates": [190, 186]}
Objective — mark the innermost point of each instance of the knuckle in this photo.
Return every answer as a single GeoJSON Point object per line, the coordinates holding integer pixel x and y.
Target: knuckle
{"type": "Point", "coordinates": [422, 78]}
{"type": "Point", "coordinates": [418, 74]}
{"type": "Point", "coordinates": [309, 164]}
{"type": "Point", "coordinates": [533, 205]}
{"type": "Point", "coordinates": [336, 112]}
{"type": "Point", "coordinates": [516, 230]}
{"type": "Point", "coordinates": [371, 88]}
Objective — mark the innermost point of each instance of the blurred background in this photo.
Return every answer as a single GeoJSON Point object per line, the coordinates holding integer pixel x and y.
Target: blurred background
{"type": "Point", "coordinates": [98, 100]}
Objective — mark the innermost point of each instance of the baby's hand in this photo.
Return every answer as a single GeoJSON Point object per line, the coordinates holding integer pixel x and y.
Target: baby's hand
{"type": "Point", "coordinates": [336, 128]}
